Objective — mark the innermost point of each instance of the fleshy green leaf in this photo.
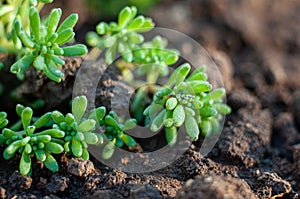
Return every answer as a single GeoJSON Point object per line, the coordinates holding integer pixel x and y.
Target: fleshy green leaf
{"type": "Point", "coordinates": [179, 115]}
{"type": "Point", "coordinates": [79, 105]}
{"type": "Point", "coordinates": [26, 117]}
{"type": "Point", "coordinates": [158, 121]}
{"type": "Point", "coordinates": [129, 124]}
{"type": "Point", "coordinates": [90, 138]}
{"type": "Point", "coordinates": [108, 150]}
{"type": "Point", "coordinates": [25, 164]}
{"type": "Point", "coordinates": [171, 135]}
{"type": "Point", "coordinates": [42, 121]}
{"type": "Point", "coordinates": [171, 103]}
{"type": "Point", "coordinates": [76, 148]}
{"type": "Point", "coordinates": [128, 140]}
{"type": "Point", "coordinates": [75, 50]}
{"type": "Point", "coordinates": [191, 127]}
{"type": "Point", "coordinates": [53, 147]}
{"type": "Point", "coordinates": [57, 117]}
{"type": "Point", "coordinates": [51, 163]}
{"type": "Point", "coordinates": [69, 22]}
{"type": "Point", "coordinates": [86, 125]}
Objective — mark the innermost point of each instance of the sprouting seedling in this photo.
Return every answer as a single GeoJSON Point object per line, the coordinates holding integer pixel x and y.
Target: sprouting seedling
{"type": "Point", "coordinates": [79, 131]}
{"type": "Point", "coordinates": [187, 100]}
{"type": "Point", "coordinates": [121, 37]}
{"type": "Point", "coordinates": [43, 43]}
{"type": "Point", "coordinates": [29, 143]}
{"type": "Point", "coordinates": [115, 129]}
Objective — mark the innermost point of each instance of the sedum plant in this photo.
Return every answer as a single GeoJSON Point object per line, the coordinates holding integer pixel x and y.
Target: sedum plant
{"type": "Point", "coordinates": [28, 140]}
{"type": "Point", "coordinates": [43, 44]}
{"type": "Point", "coordinates": [151, 58]}
{"type": "Point", "coordinates": [114, 130]}
{"type": "Point", "coordinates": [54, 133]}
{"type": "Point", "coordinates": [79, 131]}
{"type": "Point", "coordinates": [187, 100]}
{"type": "Point", "coordinates": [122, 37]}
{"type": "Point", "coordinates": [9, 11]}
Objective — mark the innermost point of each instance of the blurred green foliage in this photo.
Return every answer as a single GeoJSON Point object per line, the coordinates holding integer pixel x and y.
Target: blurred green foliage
{"type": "Point", "coordinates": [110, 9]}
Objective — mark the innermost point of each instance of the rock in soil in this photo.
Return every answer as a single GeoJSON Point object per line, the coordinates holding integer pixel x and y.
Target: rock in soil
{"type": "Point", "coordinates": [217, 187]}
{"type": "Point", "coordinates": [143, 191]}
{"type": "Point", "coordinates": [80, 167]}
{"type": "Point", "coordinates": [246, 141]}
{"type": "Point", "coordinates": [57, 184]}
{"type": "Point", "coordinates": [2, 193]}
{"type": "Point", "coordinates": [20, 182]}
{"type": "Point", "coordinates": [296, 157]}
{"type": "Point", "coordinates": [270, 185]}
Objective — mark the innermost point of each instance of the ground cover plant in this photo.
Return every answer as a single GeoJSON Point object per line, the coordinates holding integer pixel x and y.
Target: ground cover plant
{"type": "Point", "coordinates": [48, 141]}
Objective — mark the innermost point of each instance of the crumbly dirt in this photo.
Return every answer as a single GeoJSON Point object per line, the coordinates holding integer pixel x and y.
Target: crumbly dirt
{"type": "Point", "coordinates": [256, 46]}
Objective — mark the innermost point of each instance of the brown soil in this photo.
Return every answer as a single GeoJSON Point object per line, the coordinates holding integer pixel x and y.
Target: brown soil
{"type": "Point", "coordinates": [256, 46]}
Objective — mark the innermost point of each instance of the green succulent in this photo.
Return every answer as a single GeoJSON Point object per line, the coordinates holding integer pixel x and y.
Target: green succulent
{"type": "Point", "coordinates": [79, 131]}
{"type": "Point", "coordinates": [121, 37]}
{"type": "Point", "coordinates": [187, 100]}
{"type": "Point", "coordinates": [3, 120]}
{"type": "Point", "coordinates": [154, 59]}
{"type": "Point", "coordinates": [114, 130]}
{"type": "Point", "coordinates": [43, 43]}
{"type": "Point", "coordinates": [9, 10]}
{"type": "Point", "coordinates": [29, 143]}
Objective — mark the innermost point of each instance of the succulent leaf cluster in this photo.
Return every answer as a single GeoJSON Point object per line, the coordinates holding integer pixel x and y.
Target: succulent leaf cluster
{"type": "Point", "coordinates": [9, 10]}
{"type": "Point", "coordinates": [3, 120]}
{"type": "Point", "coordinates": [43, 43]}
{"type": "Point", "coordinates": [114, 128]}
{"type": "Point", "coordinates": [122, 37]}
{"type": "Point", "coordinates": [187, 100]}
{"type": "Point", "coordinates": [30, 140]}
{"type": "Point", "coordinates": [79, 131]}
{"type": "Point", "coordinates": [55, 133]}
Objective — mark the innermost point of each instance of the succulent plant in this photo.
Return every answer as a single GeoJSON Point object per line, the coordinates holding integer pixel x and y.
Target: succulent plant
{"type": "Point", "coordinates": [121, 37]}
{"type": "Point", "coordinates": [187, 100]}
{"type": "Point", "coordinates": [79, 131]}
{"type": "Point", "coordinates": [42, 46]}
{"type": "Point", "coordinates": [29, 142]}
{"type": "Point", "coordinates": [115, 129]}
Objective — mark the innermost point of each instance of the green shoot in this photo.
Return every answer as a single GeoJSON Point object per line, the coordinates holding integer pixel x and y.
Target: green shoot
{"type": "Point", "coordinates": [43, 43]}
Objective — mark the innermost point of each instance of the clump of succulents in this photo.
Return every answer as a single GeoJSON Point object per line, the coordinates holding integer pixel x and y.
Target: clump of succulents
{"type": "Point", "coordinates": [187, 99]}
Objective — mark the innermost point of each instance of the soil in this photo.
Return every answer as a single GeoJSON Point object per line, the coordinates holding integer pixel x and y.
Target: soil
{"type": "Point", "coordinates": [256, 46]}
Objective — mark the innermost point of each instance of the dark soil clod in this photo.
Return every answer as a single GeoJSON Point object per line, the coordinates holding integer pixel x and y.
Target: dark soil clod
{"type": "Point", "coordinates": [80, 167]}
{"type": "Point", "coordinates": [19, 182]}
{"type": "Point", "coordinates": [217, 187]}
